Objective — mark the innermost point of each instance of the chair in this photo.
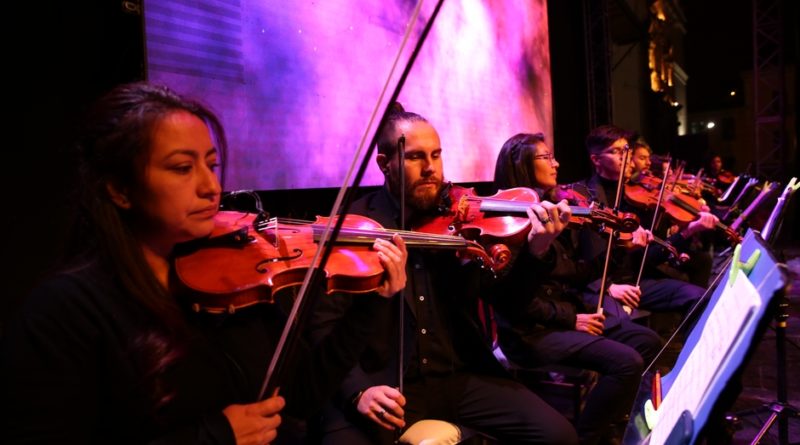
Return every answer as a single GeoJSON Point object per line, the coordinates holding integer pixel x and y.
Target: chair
{"type": "Point", "coordinates": [563, 387]}
{"type": "Point", "coordinates": [554, 383]}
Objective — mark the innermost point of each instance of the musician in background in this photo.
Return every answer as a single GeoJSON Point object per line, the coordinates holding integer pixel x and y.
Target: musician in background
{"type": "Point", "coordinates": [714, 168]}
{"type": "Point", "coordinates": [696, 266]}
{"type": "Point", "coordinates": [552, 325]}
{"type": "Point", "coordinates": [715, 172]}
{"type": "Point", "coordinates": [449, 370]}
{"type": "Point", "coordinates": [105, 351]}
{"type": "Point", "coordinates": [606, 145]}
{"type": "Point", "coordinates": [641, 159]}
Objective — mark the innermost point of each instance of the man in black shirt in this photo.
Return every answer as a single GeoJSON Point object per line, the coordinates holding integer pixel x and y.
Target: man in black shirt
{"type": "Point", "coordinates": [606, 146]}
{"type": "Point", "coordinates": [450, 372]}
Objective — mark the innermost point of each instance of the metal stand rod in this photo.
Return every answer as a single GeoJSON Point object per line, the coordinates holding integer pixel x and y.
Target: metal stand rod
{"type": "Point", "coordinates": [781, 410]}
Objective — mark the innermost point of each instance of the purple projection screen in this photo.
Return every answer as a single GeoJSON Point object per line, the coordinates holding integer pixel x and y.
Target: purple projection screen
{"type": "Point", "coordinates": [295, 82]}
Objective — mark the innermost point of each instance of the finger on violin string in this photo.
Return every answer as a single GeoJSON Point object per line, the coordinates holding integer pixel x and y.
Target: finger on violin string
{"type": "Point", "coordinates": [554, 215]}
{"type": "Point", "coordinates": [542, 213]}
{"type": "Point", "coordinates": [399, 242]}
{"type": "Point", "coordinates": [535, 219]}
{"type": "Point", "coordinates": [564, 210]}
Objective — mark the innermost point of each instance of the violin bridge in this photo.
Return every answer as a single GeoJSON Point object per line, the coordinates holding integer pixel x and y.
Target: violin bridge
{"type": "Point", "coordinates": [271, 232]}
{"type": "Point", "coordinates": [462, 212]}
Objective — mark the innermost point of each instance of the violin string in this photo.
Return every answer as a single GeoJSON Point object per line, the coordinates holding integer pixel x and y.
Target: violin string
{"type": "Point", "coordinates": [678, 201]}
{"type": "Point", "coordinates": [407, 235]}
{"type": "Point", "coordinates": [508, 205]}
{"type": "Point", "coordinates": [652, 225]}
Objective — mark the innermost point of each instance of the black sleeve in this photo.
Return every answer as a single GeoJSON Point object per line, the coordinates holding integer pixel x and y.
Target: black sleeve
{"type": "Point", "coordinates": [49, 372]}
{"type": "Point", "coordinates": [337, 337]}
{"type": "Point", "coordinates": [53, 373]}
{"type": "Point", "coordinates": [516, 296]}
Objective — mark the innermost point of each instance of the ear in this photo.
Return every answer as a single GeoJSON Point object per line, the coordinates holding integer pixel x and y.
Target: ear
{"type": "Point", "coordinates": [383, 163]}
{"type": "Point", "coordinates": [118, 197]}
{"type": "Point", "coordinates": [595, 161]}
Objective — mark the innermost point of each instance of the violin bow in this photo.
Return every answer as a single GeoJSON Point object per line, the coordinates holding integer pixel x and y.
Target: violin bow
{"type": "Point", "coordinates": [401, 302]}
{"type": "Point", "coordinates": [298, 315]}
{"type": "Point", "coordinates": [653, 223]}
{"type": "Point", "coordinates": [626, 158]}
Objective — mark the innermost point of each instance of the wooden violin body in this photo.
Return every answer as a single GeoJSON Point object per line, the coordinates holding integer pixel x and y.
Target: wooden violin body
{"type": "Point", "coordinates": [491, 220]}
{"type": "Point", "coordinates": [246, 261]}
{"type": "Point", "coordinates": [496, 233]}
{"type": "Point", "coordinates": [680, 207]}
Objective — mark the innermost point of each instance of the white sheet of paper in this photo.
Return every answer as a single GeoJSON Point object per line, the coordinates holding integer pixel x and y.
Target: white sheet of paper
{"type": "Point", "coordinates": [709, 355]}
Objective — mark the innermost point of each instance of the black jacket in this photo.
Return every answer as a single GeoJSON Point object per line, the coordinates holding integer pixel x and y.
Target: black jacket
{"type": "Point", "coordinates": [70, 372]}
{"type": "Point", "coordinates": [456, 287]}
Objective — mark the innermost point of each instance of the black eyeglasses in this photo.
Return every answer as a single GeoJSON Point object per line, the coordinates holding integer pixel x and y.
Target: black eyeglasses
{"type": "Point", "coordinates": [615, 150]}
{"type": "Point", "coordinates": [548, 157]}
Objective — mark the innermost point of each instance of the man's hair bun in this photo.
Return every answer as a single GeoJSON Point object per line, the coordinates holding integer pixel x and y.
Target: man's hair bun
{"type": "Point", "coordinates": [396, 108]}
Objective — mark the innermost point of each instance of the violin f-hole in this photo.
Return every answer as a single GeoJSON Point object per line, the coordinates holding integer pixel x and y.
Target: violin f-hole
{"type": "Point", "coordinates": [260, 265]}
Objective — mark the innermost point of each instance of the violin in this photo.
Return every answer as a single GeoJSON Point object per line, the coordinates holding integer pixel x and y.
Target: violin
{"type": "Point", "coordinates": [693, 186]}
{"type": "Point", "coordinates": [490, 220]}
{"type": "Point", "coordinates": [602, 219]}
{"type": "Point", "coordinates": [623, 239]}
{"type": "Point", "coordinates": [681, 208]}
{"type": "Point", "coordinates": [725, 177]}
{"type": "Point", "coordinates": [248, 259]}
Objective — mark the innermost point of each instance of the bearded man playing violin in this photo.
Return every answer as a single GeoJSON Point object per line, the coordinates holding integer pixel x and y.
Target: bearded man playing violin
{"type": "Point", "coordinates": [450, 372]}
{"type": "Point", "coordinates": [552, 325]}
{"type": "Point", "coordinates": [606, 146]}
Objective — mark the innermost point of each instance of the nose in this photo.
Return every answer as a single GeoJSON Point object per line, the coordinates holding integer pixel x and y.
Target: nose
{"type": "Point", "coordinates": [428, 167]}
{"type": "Point", "coordinates": [208, 185]}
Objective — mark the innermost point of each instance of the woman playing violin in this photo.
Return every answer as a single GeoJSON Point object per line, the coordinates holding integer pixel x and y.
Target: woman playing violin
{"type": "Point", "coordinates": [557, 326]}
{"type": "Point", "coordinates": [104, 351]}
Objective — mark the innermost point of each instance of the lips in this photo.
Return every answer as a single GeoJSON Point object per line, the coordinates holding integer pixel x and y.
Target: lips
{"type": "Point", "coordinates": [206, 211]}
{"type": "Point", "coordinates": [428, 182]}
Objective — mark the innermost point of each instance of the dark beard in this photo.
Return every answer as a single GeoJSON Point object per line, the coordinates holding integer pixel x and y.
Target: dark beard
{"type": "Point", "coordinates": [425, 202]}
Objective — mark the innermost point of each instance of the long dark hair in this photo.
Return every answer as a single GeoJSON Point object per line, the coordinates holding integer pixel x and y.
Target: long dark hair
{"type": "Point", "coordinates": [114, 150]}
{"type": "Point", "coordinates": [514, 166]}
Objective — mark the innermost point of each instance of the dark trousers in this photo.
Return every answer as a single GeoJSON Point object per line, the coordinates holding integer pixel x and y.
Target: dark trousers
{"type": "Point", "coordinates": [658, 295]}
{"type": "Point", "coordinates": [500, 407]}
{"type": "Point", "coordinates": [618, 357]}
{"type": "Point", "coordinates": [667, 294]}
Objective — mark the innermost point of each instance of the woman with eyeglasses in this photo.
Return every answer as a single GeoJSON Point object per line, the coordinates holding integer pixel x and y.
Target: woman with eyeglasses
{"type": "Point", "coordinates": [553, 326]}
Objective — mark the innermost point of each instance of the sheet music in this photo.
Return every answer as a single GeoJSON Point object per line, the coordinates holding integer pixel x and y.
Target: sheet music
{"type": "Point", "coordinates": [733, 311]}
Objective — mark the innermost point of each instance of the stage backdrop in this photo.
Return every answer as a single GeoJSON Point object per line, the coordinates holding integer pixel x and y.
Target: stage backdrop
{"type": "Point", "coordinates": [296, 81]}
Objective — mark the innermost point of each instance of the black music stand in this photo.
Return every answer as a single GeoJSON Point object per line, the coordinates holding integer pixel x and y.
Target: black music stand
{"type": "Point", "coordinates": [780, 409]}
